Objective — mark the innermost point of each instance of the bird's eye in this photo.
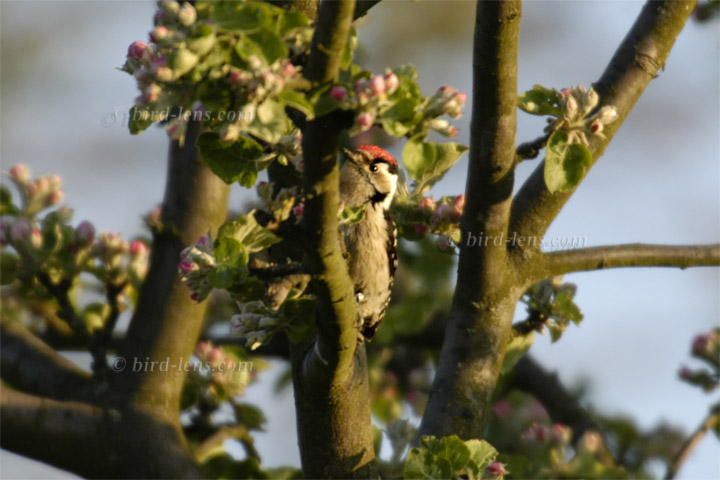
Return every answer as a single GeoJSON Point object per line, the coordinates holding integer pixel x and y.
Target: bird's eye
{"type": "Point", "coordinates": [373, 168]}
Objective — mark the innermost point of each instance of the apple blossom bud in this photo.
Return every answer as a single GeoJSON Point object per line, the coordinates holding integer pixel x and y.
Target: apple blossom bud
{"type": "Point", "coordinates": [566, 91]}
{"type": "Point", "coordinates": [85, 233]}
{"type": "Point", "coordinates": [159, 34]}
{"type": "Point", "coordinates": [460, 97]}
{"type": "Point", "coordinates": [136, 49]}
{"type": "Point", "coordinates": [195, 296]}
{"type": "Point", "coordinates": [570, 106]}
{"type": "Point", "coordinates": [288, 70]}
{"type": "Point", "coordinates": [560, 434]}
{"type": "Point", "coordinates": [138, 248]}
{"type": "Point", "coordinates": [215, 356]}
{"type": "Point", "coordinates": [204, 241]}
{"type": "Point", "coordinates": [502, 409]}
{"type": "Point", "coordinates": [590, 99]}
{"type": "Point", "coordinates": [36, 239]}
{"type": "Point", "coordinates": [160, 17]}
{"type": "Point", "coordinates": [496, 468]}
{"type": "Point", "coordinates": [202, 349]}
{"type": "Point", "coordinates": [427, 205]}
{"type": "Point", "coordinates": [187, 15]}
{"type": "Point", "coordinates": [420, 229]}
{"type": "Point", "coordinates": [377, 85]}
{"type": "Point", "coordinates": [459, 203]}
{"type": "Point", "coordinates": [359, 85]}
{"type": "Point", "coordinates": [596, 127]}
{"type": "Point", "coordinates": [20, 173]}
{"type": "Point", "coordinates": [186, 266]}
{"type": "Point", "coordinates": [20, 230]}
{"type": "Point", "coordinates": [338, 93]}
{"type": "Point", "coordinates": [607, 114]}
{"type": "Point", "coordinates": [298, 210]}
{"type": "Point", "coordinates": [685, 373]}
{"type": "Point", "coordinates": [591, 442]}
{"type": "Point", "coordinates": [365, 120]}
{"type": "Point", "coordinates": [55, 197]}
{"type": "Point", "coordinates": [391, 83]}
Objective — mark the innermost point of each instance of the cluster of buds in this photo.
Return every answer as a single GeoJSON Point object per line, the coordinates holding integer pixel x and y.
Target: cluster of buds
{"type": "Point", "coordinates": [441, 218]}
{"type": "Point", "coordinates": [112, 251]}
{"type": "Point", "coordinates": [576, 104]}
{"type": "Point", "coordinates": [21, 234]}
{"type": "Point", "coordinates": [446, 100]}
{"type": "Point", "coordinates": [256, 323]}
{"type": "Point", "coordinates": [224, 370]}
{"type": "Point", "coordinates": [367, 97]}
{"type": "Point", "coordinates": [289, 148]}
{"type": "Point", "coordinates": [196, 261]}
{"type": "Point", "coordinates": [557, 435]}
{"type": "Point", "coordinates": [37, 194]}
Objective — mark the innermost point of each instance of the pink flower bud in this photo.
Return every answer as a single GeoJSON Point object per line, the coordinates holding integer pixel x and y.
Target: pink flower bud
{"type": "Point", "coordinates": [502, 409]}
{"type": "Point", "coordinates": [560, 434]}
{"type": "Point", "coordinates": [596, 127]}
{"type": "Point", "coordinates": [460, 97]}
{"type": "Point", "coordinates": [36, 239]}
{"type": "Point", "coordinates": [420, 229]}
{"type": "Point", "coordinates": [136, 49]}
{"type": "Point", "coordinates": [203, 241]}
{"type": "Point", "coordinates": [20, 230]}
{"type": "Point", "coordinates": [298, 210]}
{"type": "Point", "coordinates": [391, 83]}
{"type": "Point", "coordinates": [41, 185]}
{"type": "Point", "coordinates": [496, 468]}
{"type": "Point", "coordinates": [570, 106]}
{"type": "Point", "coordinates": [566, 91]}
{"type": "Point", "coordinates": [459, 203]}
{"type": "Point", "coordinates": [195, 296]}
{"type": "Point", "coordinates": [443, 213]}
{"type": "Point", "coordinates": [20, 173]}
{"type": "Point", "coordinates": [138, 248]}
{"type": "Point", "coordinates": [159, 34]}
{"type": "Point", "coordinates": [591, 442]}
{"type": "Point", "coordinates": [187, 15]}
{"type": "Point", "coordinates": [55, 197]}
{"type": "Point", "coordinates": [359, 85]}
{"type": "Point", "coordinates": [202, 349]}
{"type": "Point", "coordinates": [377, 85]}
{"type": "Point", "coordinates": [446, 92]}
{"type": "Point", "coordinates": [160, 17]}
{"type": "Point", "coordinates": [215, 356]}
{"type": "Point", "coordinates": [365, 120]}
{"type": "Point", "coordinates": [288, 70]}
{"type": "Point", "coordinates": [427, 205]}
{"type": "Point", "coordinates": [186, 266]}
{"type": "Point", "coordinates": [338, 93]}
{"type": "Point", "coordinates": [85, 233]}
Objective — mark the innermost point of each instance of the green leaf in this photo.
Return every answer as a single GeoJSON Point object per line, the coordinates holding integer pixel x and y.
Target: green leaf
{"type": "Point", "coordinates": [246, 230]}
{"type": "Point", "coordinates": [270, 122]}
{"type": "Point", "coordinates": [294, 99]}
{"type": "Point", "coordinates": [8, 268]}
{"type": "Point", "coordinates": [182, 61]}
{"type": "Point", "coordinates": [230, 251]}
{"type": "Point", "coordinates": [349, 49]}
{"type": "Point", "coordinates": [398, 120]}
{"type": "Point", "coordinates": [448, 457]}
{"type": "Point", "coordinates": [565, 164]}
{"type": "Point", "coordinates": [224, 466]}
{"type": "Point", "coordinates": [289, 20]}
{"type": "Point", "coordinates": [273, 48]}
{"type": "Point", "coordinates": [284, 473]}
{"type": "Point", "coordinates": [140, 120]}
{"type": "Point", "coordinates": [244, 17]}
{"type": "Point", "coordinates": [321, 101]}
{"type": "Point", "coordinates": [298, 317]}
{"type": "Point", "coordinates": [418, 156]}
{"type": "Point", "coordinates": [6, 202]}
{"type": "Point", "coordinates": [203, 40]}
{"type": "Point", "coordinates": [540, 101]}
{"type": "Point", "coordinates": [225, 276]}
{"type": "Point", "coordinates": [481, 453]}
{"type": "Point", "coordinates": [516, 349]}
{"type": "Point", "coordinates": [352, 215]}
{"type": "Point", "coordinates": [232, 162]}
{"type": "Point", "coordinates": [250, 416]}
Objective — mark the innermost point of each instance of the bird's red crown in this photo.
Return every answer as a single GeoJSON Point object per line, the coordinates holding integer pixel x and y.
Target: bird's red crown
{"type": "Point", "coordinates": [378, 153]}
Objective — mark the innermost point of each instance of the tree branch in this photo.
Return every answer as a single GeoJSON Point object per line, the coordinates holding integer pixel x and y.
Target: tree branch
{"type": "Point", "coordinates": [330, 374]}
{"type": "Point", "coordinates": [642, 53]}
{"type": "Point", "coordinates": [486, 293]}
{"type": "Point", "coordinates": [166, 322]}
{"type": "Point", "coordinates": [710, 422]}
{"type": "Point", "coordinates": [632, 255]}
{"type": "Point", "coordinates": [49, 430]}
{"type": "Point", "coordinates": [30, 365]}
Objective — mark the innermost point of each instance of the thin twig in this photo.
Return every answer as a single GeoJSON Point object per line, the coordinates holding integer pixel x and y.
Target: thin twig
{"type": "Point", "coordinates": [711, 421]}
{"type": "Point", "coordinates": [531, 149]}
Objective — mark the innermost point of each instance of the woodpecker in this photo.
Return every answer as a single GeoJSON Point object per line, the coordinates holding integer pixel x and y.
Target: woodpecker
{"type": "Point", "coordinates": [369, 178]}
